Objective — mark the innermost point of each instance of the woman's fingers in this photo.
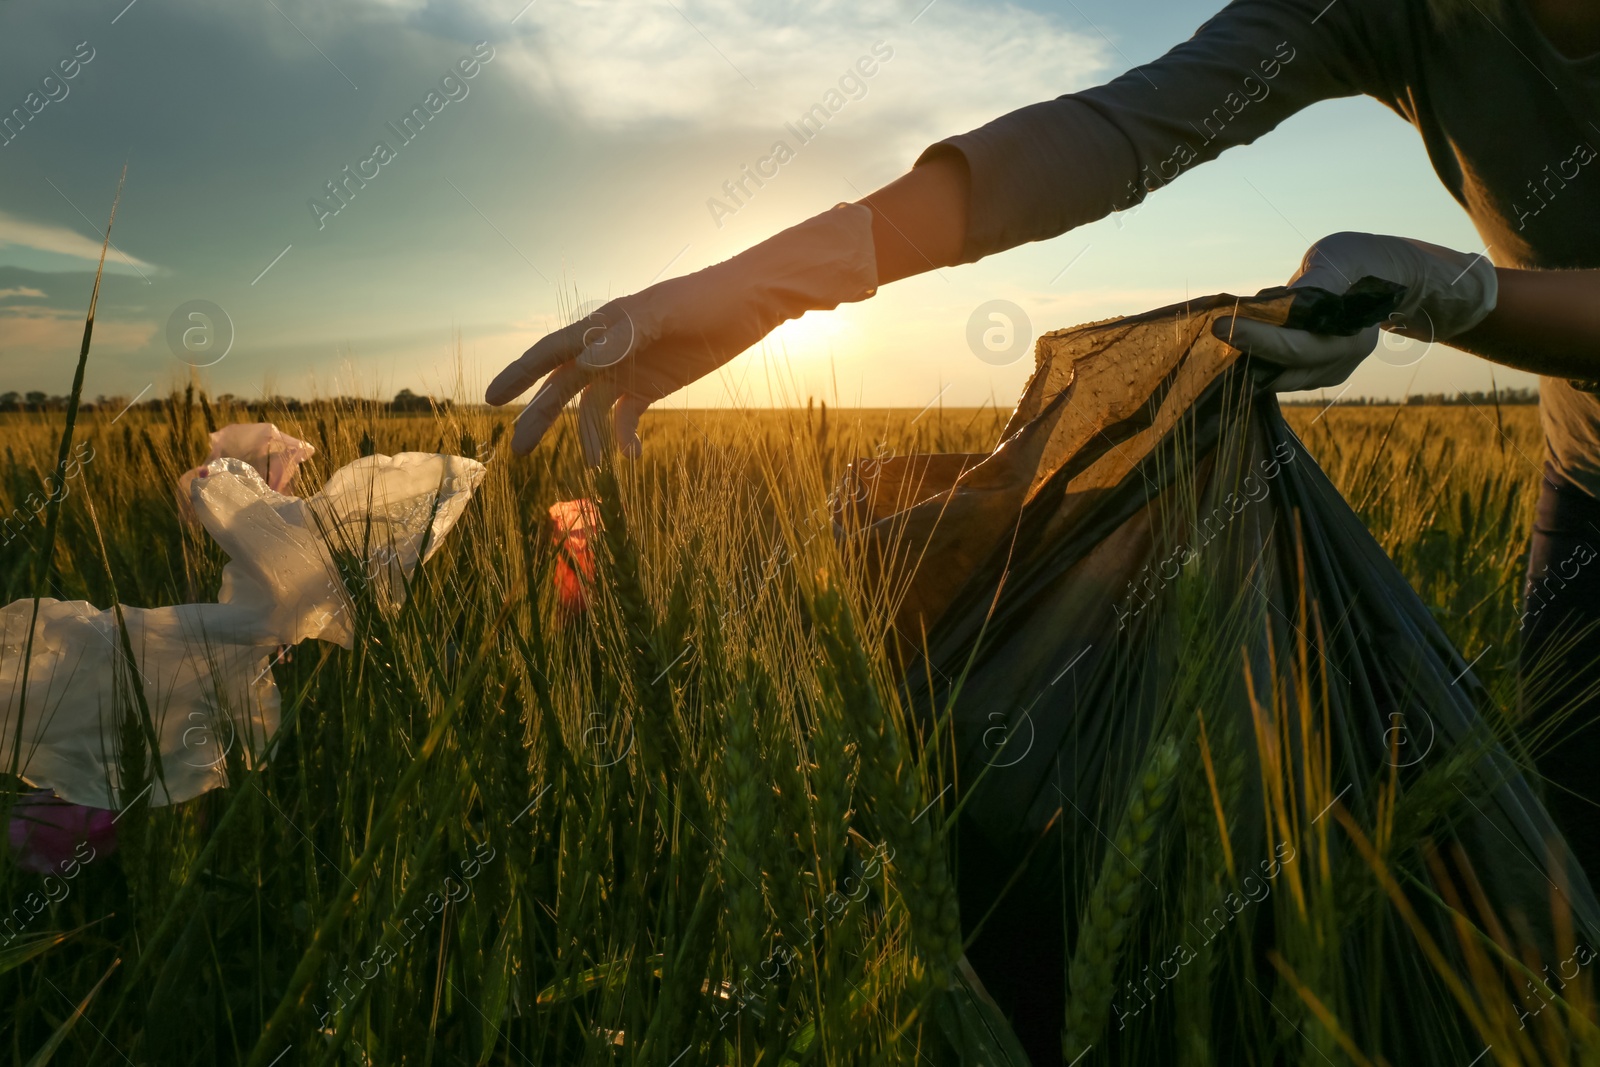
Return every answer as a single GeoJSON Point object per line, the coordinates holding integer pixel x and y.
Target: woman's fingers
{"type": "Point", "coordinates": [1293, 348]}
{"type": "Point", "coordinates": [548, 353]}
{"type": "Point", "coordinates": [628, 410]}
{"type": "Point", "coordinates": [1331, 264]}
{"type": "Point", "coordinates": [577, 358]}
{"type": "Point", "coordinates": [594, 419]}
{"type": "Point", "coordinates": [545, 407]}
{"type": "Point", "coordinates": [1310, 360]}
{"type": "Point", "coordinates": [606, 421]}
{"type": "Point", "coordinates": [1278, 344]}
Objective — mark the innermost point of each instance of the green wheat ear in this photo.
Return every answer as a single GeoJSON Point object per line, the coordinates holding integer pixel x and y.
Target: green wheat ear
{"type": "Point", "coordinates": [744, 831]}
{"type": "Point", "coordinates": [889, 776]}
{"type": "Point", "coordinates": [833, 781]}
{"type": "Point", "coordinates": [786, 841]}
{"type": "Point", "coordinates": [1207, 804]}
{"type": "Point", "coordinates": [660, 745]}
{"type": "Point", "coordinates": [1113, 904]}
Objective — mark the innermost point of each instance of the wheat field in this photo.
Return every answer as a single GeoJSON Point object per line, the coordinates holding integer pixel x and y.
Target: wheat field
{"type": "Point", "coordinates": [681, 826]}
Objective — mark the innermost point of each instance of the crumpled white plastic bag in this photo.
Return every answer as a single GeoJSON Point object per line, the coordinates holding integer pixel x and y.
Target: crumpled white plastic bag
{"type": "Point", "coordinates": [274, 454]}
{"type": "Point", "coordinates": [205, 669]}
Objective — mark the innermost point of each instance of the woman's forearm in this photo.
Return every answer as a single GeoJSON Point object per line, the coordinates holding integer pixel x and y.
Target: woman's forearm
{"type": "Point", "coordinates": [919, 220]}
{"type": "Point", "coordinates": [1544, 321]}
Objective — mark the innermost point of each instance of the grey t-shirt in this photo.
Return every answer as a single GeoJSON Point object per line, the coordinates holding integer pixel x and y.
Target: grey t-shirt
{"type": "Point", "coordinates": [1509, 123]}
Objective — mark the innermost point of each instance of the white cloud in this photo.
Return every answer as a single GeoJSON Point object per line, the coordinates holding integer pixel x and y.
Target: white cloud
{"type": "Point", "coordinates": [46, 237]}
{"type": "Point", "coordinates": [6, 294]}
{"type": "Point", "coordinates": [725, 65]}
{"type": "Point", "coordinates": [720, 64]}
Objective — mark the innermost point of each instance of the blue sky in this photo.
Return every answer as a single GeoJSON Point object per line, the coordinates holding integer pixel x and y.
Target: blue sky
{"type": "Point", "coordinates": [576, 163]}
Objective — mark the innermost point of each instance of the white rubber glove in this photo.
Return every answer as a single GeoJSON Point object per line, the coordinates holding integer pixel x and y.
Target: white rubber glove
{"type": "Point", "coordinates": [637, 349]}
{"type": "Point", "coordinates": [1447, 294]}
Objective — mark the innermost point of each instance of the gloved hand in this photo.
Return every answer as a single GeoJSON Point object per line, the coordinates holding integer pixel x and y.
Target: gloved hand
{"type": "Point", "coordinates": [639, 348]}
{"type": "Point", "coordinates": [1447, 294]}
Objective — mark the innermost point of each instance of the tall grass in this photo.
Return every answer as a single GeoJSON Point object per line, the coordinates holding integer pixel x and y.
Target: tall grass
{"type": "Point", "coordinates": [690, 824]}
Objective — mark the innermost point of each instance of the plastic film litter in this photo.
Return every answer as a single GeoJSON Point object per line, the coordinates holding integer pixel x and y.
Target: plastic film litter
{"type": "Point", "coordinates": [205, 669]}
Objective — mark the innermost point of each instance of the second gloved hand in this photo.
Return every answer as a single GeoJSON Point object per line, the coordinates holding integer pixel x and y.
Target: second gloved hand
{"type": "Point", "coordinates": [1447, 294]}
{"type": "Point", "coordinates": [639, 348]}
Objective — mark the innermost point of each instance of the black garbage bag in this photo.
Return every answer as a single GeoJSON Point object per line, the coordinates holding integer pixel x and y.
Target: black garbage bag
{"type": "Point", "coordinates": [1227, 793]}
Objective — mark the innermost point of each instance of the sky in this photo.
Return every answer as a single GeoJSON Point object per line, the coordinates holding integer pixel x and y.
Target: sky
{"type": "Point", "coordinates": [572, 153]}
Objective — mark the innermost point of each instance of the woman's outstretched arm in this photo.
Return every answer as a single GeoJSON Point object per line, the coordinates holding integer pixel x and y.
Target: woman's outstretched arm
{"type": "Point", "coordinates": [1027, 176]}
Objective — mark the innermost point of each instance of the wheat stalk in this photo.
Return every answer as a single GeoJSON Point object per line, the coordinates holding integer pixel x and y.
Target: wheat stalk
{"type": "Point", "coordinates": [1113, 903]}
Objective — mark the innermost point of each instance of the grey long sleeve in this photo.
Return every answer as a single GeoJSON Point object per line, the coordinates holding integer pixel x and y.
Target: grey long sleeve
{"type": "Point", "coordinates": [1046, 168]}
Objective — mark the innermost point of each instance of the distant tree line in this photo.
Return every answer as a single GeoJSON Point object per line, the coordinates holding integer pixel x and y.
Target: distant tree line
{"type": "Point", "coordinates": [404, 401]}
{"type": "Point", "coordinates": [1477, 398]}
